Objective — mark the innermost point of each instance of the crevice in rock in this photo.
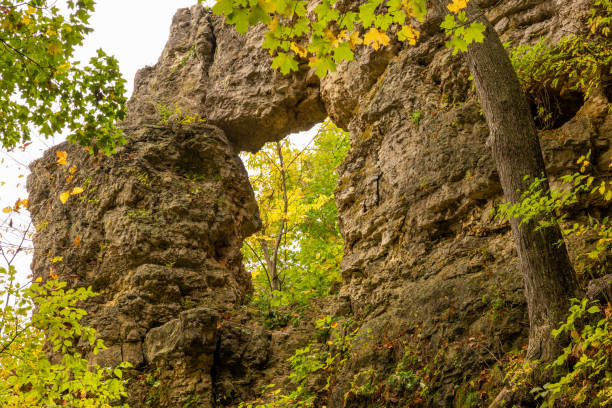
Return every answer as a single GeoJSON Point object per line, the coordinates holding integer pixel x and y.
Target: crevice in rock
{"type": "Point", "coordinates": [213, 37]}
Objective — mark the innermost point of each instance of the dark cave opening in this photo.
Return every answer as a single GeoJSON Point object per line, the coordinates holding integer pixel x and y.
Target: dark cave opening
{"type": "Point", "coordinates": [552, 108]}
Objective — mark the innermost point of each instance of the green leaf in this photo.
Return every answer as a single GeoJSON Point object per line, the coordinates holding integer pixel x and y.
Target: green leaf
{"type": "Point", "coordinates": [449, 23]}
{"type": "Point", "coordinates": [225, 7]}
{"type": "Point", "coordinates": [593, 309]}
{"type": "Point", "coordinates": [457, 44]}
{"type": "Point", "coordinates": [323, 66]}
{"type": "Point", "coordinates": [239, 18]}
{"type": "Point", "coordinates": [285, 63]}
{"type": "Point", "coordinates": [474, 33]}
{"type": "Point", "coordinates": [343, 53]}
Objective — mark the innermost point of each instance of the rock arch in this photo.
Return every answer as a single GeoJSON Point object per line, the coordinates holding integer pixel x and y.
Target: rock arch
{"type": "Point", "coordinates": [161, 223]}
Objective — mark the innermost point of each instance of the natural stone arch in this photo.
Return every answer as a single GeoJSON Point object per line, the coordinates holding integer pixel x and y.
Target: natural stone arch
{"type": "Point", "coordinates": [423, 254]}
{"type": "Point", "coordinates": [210, 71]}
{"type": "Point", "coordinates": [160, 224]}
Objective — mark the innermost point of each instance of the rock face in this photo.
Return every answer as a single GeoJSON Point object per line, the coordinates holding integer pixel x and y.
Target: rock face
{"type": "Point", "coordinates": [160, 225]}
{"type": "Point", "coordinates": [207, 70]}
{"type": "Point", "coordinates": [424, 258]}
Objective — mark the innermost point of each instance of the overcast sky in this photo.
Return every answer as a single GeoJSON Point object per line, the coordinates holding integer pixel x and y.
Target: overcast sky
{"type": "Point", "coordinates": [134, 31]}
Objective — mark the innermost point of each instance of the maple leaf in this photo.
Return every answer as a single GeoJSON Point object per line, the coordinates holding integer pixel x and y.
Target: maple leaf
{"type": "Point", "coordinates": [299, 50]}
{"type": "Point", "coordinates": [273, 24]}
{"type": "Point", "coordinates": [376, 38]}
{"type": "Point", "coordinates": [457, 5]}
{"type": "Point", "coordinates": [474, 33]}
{"type": "Point", "coordinates": [355, 39]}
{"type": "Point", "coordinates": [285, 63]}
{"type": "Point", "coordinates": [61, 157]}
{"type": "Point", "coordinates": [268, 6]}
{"type": "Point", "coordinates": [343, 53]}
{"type": "Point", "coordinates": [407, 33]}
{"type": "Point", "coordinates": [223, 7]}
{"type": "Point", "coordinates": [53, 49]}
{"type": "Point", "coordinates": [64, 196]}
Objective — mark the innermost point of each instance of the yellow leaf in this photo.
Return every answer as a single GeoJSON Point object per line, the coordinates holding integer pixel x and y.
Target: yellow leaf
{"type": "Point", "coordinates": [299, 50]}
{"type": "Point", "coordinates": [273, 24]}
{"type": "Point", "coordinates": [407, 33]}
{"type": "Point", "coordinates": [38, 280]}
{"type": "Point", "coordinates": [457, 5]}
{"type": "Point", "coordinates": [76, 190]}
{"type": "Point", "coordinates": [331, 38]}
{"type": "Point", "coordinates": [6, 210]}
{"type": "Point", "coordinates": [64, 196]}
{"type": "Point", "coordinates": [63, 67]}
{"type": "Point", "coordinates": [61, 157]}
{"type": "Point", "coordinates": [56, 259]}
{"type": "Point", "coordinates": [376, 38]}
{"type": "Point", "coordinates": [53, 49]}
{"type": "Point", "coordinates": [355, 39]}
{"type": "Point", "coordinates": [268, 6]}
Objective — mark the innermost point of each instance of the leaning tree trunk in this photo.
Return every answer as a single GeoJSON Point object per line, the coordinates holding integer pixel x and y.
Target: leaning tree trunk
{"type": "Point", "coordinates": [548, 275]}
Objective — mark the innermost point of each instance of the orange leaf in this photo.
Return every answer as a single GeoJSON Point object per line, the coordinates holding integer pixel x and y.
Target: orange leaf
{"type": "Point", "coordinates": [61, 157]}
{"type": "Point", "coordinates": [457, 5]}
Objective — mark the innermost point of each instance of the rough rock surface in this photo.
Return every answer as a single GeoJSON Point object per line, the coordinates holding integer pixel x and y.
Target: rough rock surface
{"type": "Point", "coordinates": [208, 70]}
{"type": "Point", "coordinates": [160, 226]}
{"type": "Point", "coordinates": [161, 223]}
{"type": "Point", "coordinates": [424, 257]}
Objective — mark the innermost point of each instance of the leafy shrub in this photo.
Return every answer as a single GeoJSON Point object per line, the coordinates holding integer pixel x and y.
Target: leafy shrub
{"type": "Point", "coordinates": [41, 343]}
{"type": "Point", "coordinates": [587, 360]}
{"type": "Point", "coordinates": [320, 360]}
{"type": "Point", "coordinates": [578, 64]}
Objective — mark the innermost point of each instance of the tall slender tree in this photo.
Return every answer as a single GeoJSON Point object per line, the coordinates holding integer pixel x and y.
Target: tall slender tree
{"type": "Point", "coordinates": [548, 275]}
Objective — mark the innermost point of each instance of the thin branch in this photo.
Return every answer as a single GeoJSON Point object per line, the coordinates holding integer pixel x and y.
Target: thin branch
{"type": "Point", "coordinates": [263, 265]}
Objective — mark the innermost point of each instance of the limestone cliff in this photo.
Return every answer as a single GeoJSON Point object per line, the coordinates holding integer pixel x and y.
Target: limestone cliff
{"type": "Point", "coordinates": [161, 223]}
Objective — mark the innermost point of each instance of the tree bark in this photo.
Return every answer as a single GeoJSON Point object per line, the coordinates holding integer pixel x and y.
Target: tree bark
{"type": "Point", "coordinates": [548, 275]}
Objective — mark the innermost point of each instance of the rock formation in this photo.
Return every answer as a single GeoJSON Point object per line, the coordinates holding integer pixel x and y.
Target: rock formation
{"type": "Point", "coordinates": [161, 223]}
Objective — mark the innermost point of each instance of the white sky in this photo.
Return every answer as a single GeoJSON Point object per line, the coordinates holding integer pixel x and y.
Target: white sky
{"type": "Point", "coordinates": [135, 32]}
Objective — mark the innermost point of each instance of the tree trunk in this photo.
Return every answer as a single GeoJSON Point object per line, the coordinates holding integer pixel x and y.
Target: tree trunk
{"type": "Point", "coordinates": [548, 275]}
{"type": "Point", "coordinates": [274, 279]}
